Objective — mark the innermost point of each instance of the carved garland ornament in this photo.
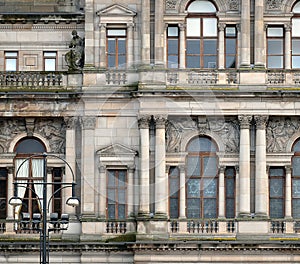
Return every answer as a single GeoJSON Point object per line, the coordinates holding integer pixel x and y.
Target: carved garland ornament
{"type": "Point", "coordinates": [227, 130]}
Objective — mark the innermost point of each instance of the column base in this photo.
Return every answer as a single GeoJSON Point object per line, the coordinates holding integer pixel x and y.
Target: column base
{"type": "Point", "coordinates": [245, 215]}
{"type": "Point", "coordinates": [160, 216]}
{"type": "Point", "coordinates": [261, 216]}
{"type": "Point", "coordinates": [142, 215]}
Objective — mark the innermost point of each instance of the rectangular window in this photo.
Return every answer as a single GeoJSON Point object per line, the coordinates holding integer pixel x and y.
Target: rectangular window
{"type": "Point", "coordinates": [275, 47]}
{"type": "Point", "coordinates": [3, 193]}
{"type": "Point", "coordinates": [116, 48]}
{"type": "Point", "coordinates": [296, 43]}
{"type": "Point", "coordinates": [174, 187]}
{"type": "Point", "coordinates": [230, 192]}
{"type": "Point", "coordinates": [57, 195]}
{"type": "Point", "coordinates": [50, 61]}
{"type": "Point", "coordinates": [173, 47]}
{"type": "Point", "coordinates": [116, 194]}
{"type": "Point", "coordinates": [11, 60]}
{"type": "Point", "coordinates": [230, 47]}
{"type": "Point", "coordinates": [276, 192]}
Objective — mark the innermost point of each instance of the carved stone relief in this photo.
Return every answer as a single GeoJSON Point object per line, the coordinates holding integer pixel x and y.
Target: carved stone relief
{"type": "Point", "coordinates": [273, 4]}
{"type": "Point", "coordinates": [171, 4]}
{"type": "Point", "coordinates": [227, 130]}
{"type": "Point", "coordinates": [279, 131]}
{"type": "Point", "coordinates": [233, 5]}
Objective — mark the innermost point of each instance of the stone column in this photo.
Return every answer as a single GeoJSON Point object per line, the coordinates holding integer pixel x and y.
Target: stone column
{"type": "Point", "coordinates": [102, 192]}
{"type": "Point", "coordinates": [102, 44]}
{"type": "Point", "coordinates": [182, 201]}
{"type": "Point", "coordinates": [89, 34]}
{"type": "Point", "coordinates": [221, 27]}
{"type": "Point", "coordinates": [144, 206]}
{"type": "Point", "coordinates": [244, 165]}
{"type": "Point", "coordinates": [222, 201]}
{"type": "Point", "coordinates": [245, 34]}
{"type": "Point", "coordinates": [159, 31]}
{"type": "Point", "coordinates": [182, 28]}
{"type": "Point", "coordinates": [88, 166]}
{"type": "Point", "coordinates": [287, 48]}
{"type": "Point", "coordinates": [288, 192]}
{"type": "Point", "coordinates": [130, 191]}
{"type": "Point", "coordinates": [130, 45]}
{"type": "Point", "coordinates": [145, 29]}
{"type": "Point", "coordinates": [259, 46]}
{"type": "Point", "coordinates": [71, 159]}
{"type": "Point", "coordinates": [261, 177]}
{"type": "Point", "coordinates": [160, 167]}
{"type": "Point", "coordinates": [10, 193]}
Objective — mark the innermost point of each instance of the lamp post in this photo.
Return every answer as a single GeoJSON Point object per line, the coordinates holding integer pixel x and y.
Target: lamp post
{"type": "Point", "coordinates": [36, 220]}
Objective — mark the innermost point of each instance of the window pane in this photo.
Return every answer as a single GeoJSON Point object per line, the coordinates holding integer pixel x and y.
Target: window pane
{"type": "Point", "coordinates": [210, 166]}
{"type": "Point", "coordinates": [193, 166]}
{"type": "Point", "coordinates": [296, 147]}
{"type": "Point", "coordinates": [210, 27]}
{"type": "Point", "coordinates": [230, 32]}
{"type": "Point", "coordinates": [116, 32]}
{"type": "Point", "coordinates": [174, 208]}
{"type": "Point", "coordinates": [210, 188]}
{"type": "Point", "coordinates": [230, 62]}
{"type": "Point", "coordinates": [276, 187]}
{"type": "Point", "coordinates": [275, 47]}
{"type": "Point", "coordinates": [230, 187]}
{"type": "Point", "coordinates": [11, 65]}
{"type": "Point", "coordinates": [121, 46]}
{"type": "Point", "coordinates": [49, 54]}
{"type": "Point", "coordinates": [193, 208]}
{"type": "Point", "coordinates": [111, 211]}
{"type": "Point", "coordinates": [173, 61]}
{"type": "Point", "coordinates": [193, 188]}
{"type": "Point", "coordinates": [296, 62]}
{"type": "Point", "coordinates": [296, 166]}
{"type": "Point", "coordinates": [230, 46]}
{"type": "Point", "coordinates": [296, 208]}
{"type": "Point", "coordinates": [201, 6]}
{"type": "Point", "coordinates": [296, 27]}
{"type": "Point", "coordinates": [172, 46]}
{"type": "Point", "coordinates": [210, 46]}
{"type": "Point", "coordinates": [121, 196]}
{"type": "Point", "coordinates": [121, 211]}
{"type": "Point", "coordinates": [210, 208]}
{"type": "Point", "coordinates": [50, 64]}
{"type": "Point", "coordinates": [276, 208]}
{"type": "Point", "coordinates": [173, 32]}
{"type": "Point", "coordinates": [296, 46]}
{"type": "Point", "coordinates": [111, 61]}
{"type": "Point", "coordinates": [276, 172]}
{"type": "Point", "coordinates": [122, 61]}
{"type": "Point", "coordinates": [193, 46]}
{"type": "Point", "coordinates": [111, 196]}
{"type": "Point", "coordinates": [230, 212]}
{"type": "Point", "coordinates": [193, 61]}
{"type": "Point", "coordinates": [296, 188]}
{"type": "Point", "coordinates": [275, 62]}
{"type": "Point", "coordinates": [210, 62]}
{"type": "Point", "coordinates": [275, 32]}
{"type": "Point", "coordinates": [174, 187]}
{"type": "Point", "coordinates": [201, 144]}
{"type": "Point", "coordinates": [193, 27]}
{"type": "Point", "coordinates": [111, 46]}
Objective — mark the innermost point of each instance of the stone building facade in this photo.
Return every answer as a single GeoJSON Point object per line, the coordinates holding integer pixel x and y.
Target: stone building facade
{"type": "Point", "coordinates": [179, 121]}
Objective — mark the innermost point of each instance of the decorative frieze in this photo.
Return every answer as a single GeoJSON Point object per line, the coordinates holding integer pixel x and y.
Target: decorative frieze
{"type": "Point", "coordinates": [273, 4]}
{"type": "Point", "coordinates": [171, 4]}
{"type": "Point", "coordinates": [227, 130]}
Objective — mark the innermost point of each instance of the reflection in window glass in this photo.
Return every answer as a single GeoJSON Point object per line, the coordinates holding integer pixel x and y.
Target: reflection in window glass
{"type": "Point", "coordinates": [11, 59]}
{"type": "Point", "coordinates": [230, 192]}
{"type": "Point", "coordinates": [210, 27]}
{"type": "Point", "coordinates": [296, 180]}
{"type": "Point", "coordinates": [193, 28]}
{"type": "Point", "coordinates": [230, 47]}
{"type": "Point", "coordinates": [199, 6]}
{"type": "Point", "coordinates": [276, 192]}
{"type": "Point", "coordinates": [174, 188]}
{"type": "Point", "coordinates": [275, 47]}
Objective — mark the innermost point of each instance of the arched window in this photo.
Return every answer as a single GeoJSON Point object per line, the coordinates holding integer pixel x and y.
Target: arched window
{"type": "Point", "coordinates": [296, 36]}
{"type": "Point", "coordinates": [296, 180]}
{"type": "Point", "coordinates": [202, 179]}
{"type": "Point", "coordinates": [201, 35]}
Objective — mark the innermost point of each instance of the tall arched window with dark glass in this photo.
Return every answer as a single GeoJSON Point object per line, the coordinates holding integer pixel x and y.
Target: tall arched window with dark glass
{"type": "Point", "coordinates": [296, 180]}
{"type": "Point", "coordinates": [202, 179]}
{"type": "Point", "coordinates": [201, 35]}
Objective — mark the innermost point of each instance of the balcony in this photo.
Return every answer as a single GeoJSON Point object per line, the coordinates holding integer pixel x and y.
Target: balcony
{"type": "Point", "coordinates": [40, 81]}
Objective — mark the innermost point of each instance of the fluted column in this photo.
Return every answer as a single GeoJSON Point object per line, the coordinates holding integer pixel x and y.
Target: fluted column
{"type": "Point", "coordinates": [102, 44]}
{"type": "Point", "coordinates": [144, 206]}
{"type": "Point", "coordinates": [145, 28]}
{"type": "Point", "coordinates": [88, 166]}
{"type": "Point", "coordinates": [221, 27]}
{"type": "Point", "coordinates": [102, 194]}
{"type": "Point", "coordinates": [244, 165]}
{"type": "Point", "coordinates": [130, 191]}
{"type": "Point", "coordinates": [160, 166]}
{"type": "Point", "coordinates": [182, 28]}
{"type": "Point", "coordinates": [245, 33]}
{"type": "Point", "coordinates": [288, 64]}
{"type": "Point", "coordinates": [71, 159]}
{"type": "Point", "coordinates": [221, 192]}
{"type": "Point", "coordinates": [261, 177]}
{"type": "Point", "coordinates": [288, 192]}
{"type": "Point", "coordinates": [182, 201]}
{"type": "Point", "coordinates": [259, 48]}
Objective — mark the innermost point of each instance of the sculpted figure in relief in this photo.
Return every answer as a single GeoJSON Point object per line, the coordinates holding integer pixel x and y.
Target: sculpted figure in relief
{"type": "Point", "coordinates": [75, 57]}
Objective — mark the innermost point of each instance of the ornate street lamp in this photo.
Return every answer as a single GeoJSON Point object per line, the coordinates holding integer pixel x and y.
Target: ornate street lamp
{"type": "Point", "coordinates": [37, 219]}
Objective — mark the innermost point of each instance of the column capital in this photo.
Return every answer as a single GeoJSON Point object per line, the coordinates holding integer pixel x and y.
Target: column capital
{"type": "Point", "coordinates": [261, 121]}
{"type": "Point", "coordinates": [131, 168]}
{"type": "Point", "coordinates": [237, 169]}
{"type": "Point", "coordinates": [71, 121]}
{"type": "Point", "coordinates": [182, 26]}
{"type": "Point", "coordinates": [288, 26]}
{"type": "Point", "coordinates": [245, 121]}
{"type": "Point", "coordinates": [288, 168]}
{"type": "Point", "coordinates": [143, 121]}
{"type": "Point", "coordinates": [102, 26]}
{"type": "Point", "coordinates": [130, 25]}
{"type": "Point", "coordinates": [222, 168]}
{"type": "Point", "coordinates": [101, 168]}
{"type": "Point", "coordinates": [88, 122]}
{"type": "Point", "coordinates": [181, 167]}
{"type": "Point", "coordinates": [10, 170]}
{"type": "Point", "coordinates": [160, 121]}
{"type": "Point", "coordinates": [221, 26]}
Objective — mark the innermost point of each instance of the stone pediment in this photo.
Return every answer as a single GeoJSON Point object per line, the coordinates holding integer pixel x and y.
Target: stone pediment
{"type": "Point", "coordinates": [116, 150]}
{"type": "Point", "coordinates": [116, 10]}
